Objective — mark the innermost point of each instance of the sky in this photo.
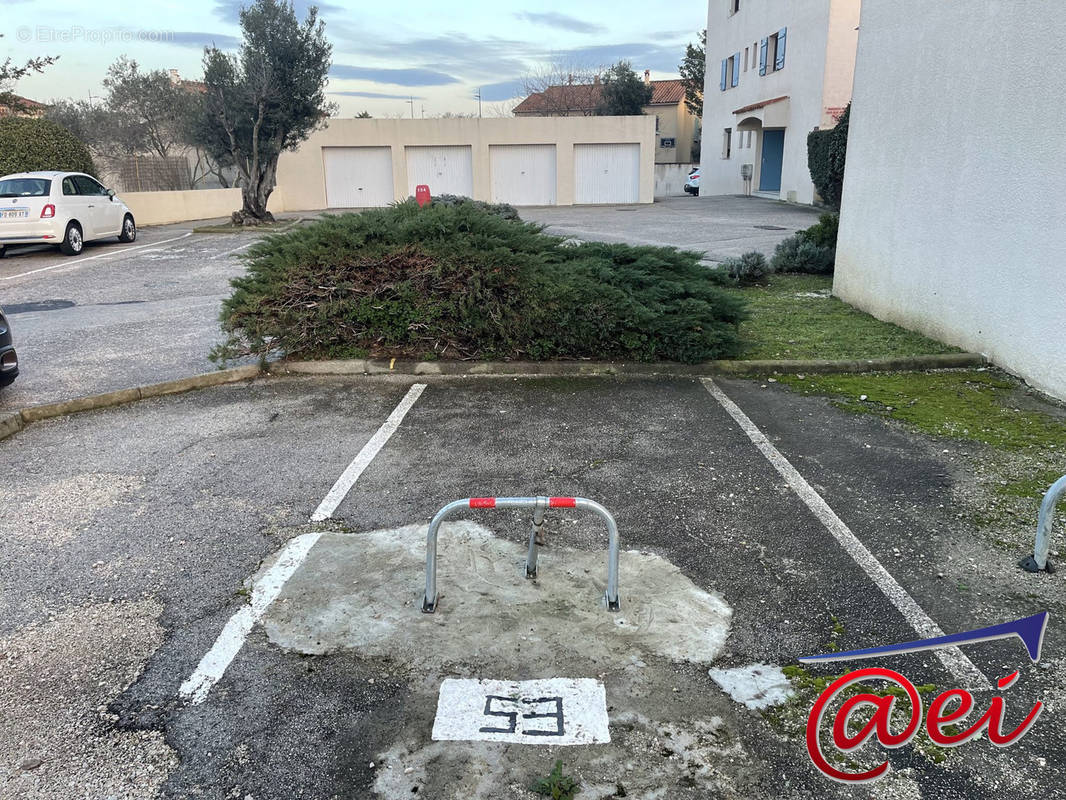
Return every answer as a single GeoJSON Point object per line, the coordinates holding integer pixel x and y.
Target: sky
{"type": "Point", "coordinates": [384, 53]}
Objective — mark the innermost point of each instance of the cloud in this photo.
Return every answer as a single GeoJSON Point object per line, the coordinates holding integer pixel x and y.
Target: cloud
{"type": "Point", "coordinates": [230, 10]}
{"type": "Point", "coordinates": [472, 59]}
{"type": "Point", "coordinates": [397, 77]}
{"type": "Point", "coordinates": [640, 55]}
{"type": "Point", "coordinates": [197, 39]}
{"type": "Point", "coordinates": [504, 90]}
{"type": "Point", "coordinates": [561, 21]}
{"type": "Point", "coordinates": [378, 95]}
{"type": "Point", "coordinates": [453, 53]}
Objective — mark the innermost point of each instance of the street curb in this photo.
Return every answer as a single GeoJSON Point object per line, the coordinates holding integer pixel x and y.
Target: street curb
{"type": "Point", "coordinates": [14, 422]}
{"type": "Point", "coordinates": [362, 366]}
{"type": "Point", "coordinates": [10, 424]}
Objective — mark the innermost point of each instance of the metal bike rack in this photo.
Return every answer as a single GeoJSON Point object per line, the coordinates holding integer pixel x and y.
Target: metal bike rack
{"type": "Point", "coordinates": [1038, 562]}
{"type": "Point", "coordinates": [539, 506]}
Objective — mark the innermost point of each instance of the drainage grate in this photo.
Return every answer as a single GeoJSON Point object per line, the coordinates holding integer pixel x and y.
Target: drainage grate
{"type": "Point", "coordinates": [769, 227]}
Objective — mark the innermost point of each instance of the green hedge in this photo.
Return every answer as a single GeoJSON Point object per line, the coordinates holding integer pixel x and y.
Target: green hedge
{"type": "Point", "coordinates": [28, 144]}
{"type": "Point", "coordinates": [458, 281]}
{"type": "Point", "coordinates": [827, 152]}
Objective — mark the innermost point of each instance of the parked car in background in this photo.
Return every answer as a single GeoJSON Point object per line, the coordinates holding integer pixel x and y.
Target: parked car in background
{"type": "Point", "coordinates": [66, 209]}
{"type": "Point", "coordinates": [9, 360]}
{"type": "Point", "coordinates": [692, 185]}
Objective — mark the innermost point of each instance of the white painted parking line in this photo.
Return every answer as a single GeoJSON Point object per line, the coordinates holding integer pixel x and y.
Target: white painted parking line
{"type": "Point", "coordinates": [234, 250]}
{"type": "Point", "coordinates": [953, 659]}
{"type": "Point", "coordinates": [348, 478]}
{"type": "Point", "coordinates": [554, 711]}
{"type": "Point", "coordinates": [116, 253]}
{"type": "Point", "coordinates": [215, 662]}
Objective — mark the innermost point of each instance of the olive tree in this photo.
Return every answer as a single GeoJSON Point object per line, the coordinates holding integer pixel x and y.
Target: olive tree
{"type": "Point", "coordinates": [266, 99]}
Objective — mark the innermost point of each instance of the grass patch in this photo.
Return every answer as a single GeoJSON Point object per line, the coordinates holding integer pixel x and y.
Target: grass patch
{"type": "Point", "coordinates": [1032, 488]}
{"type": "Point", "coordinates": [785, 322]}
{"type": "Point", "coordinates": [972, 405]}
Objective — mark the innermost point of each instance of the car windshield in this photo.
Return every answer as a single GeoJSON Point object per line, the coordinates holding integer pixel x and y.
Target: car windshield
{"type": "Point", "coordinates": [25, 187]}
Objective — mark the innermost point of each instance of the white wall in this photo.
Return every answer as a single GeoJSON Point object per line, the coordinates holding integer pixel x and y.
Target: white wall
{"type": "Point", "coordinates": [162, 208]}
{"type": "Point", "coordinates": [670, 179]}
{"type": "Point", "coordinates": [802, 80]}
{"type": "Point", "coordinates": [953, 218]}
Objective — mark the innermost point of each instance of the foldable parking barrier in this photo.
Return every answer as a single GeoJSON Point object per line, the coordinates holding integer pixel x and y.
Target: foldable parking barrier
{"type": "Point", "coordinates": [539, 506]}
{"type": "Point", "coordinates": [1038, 562]}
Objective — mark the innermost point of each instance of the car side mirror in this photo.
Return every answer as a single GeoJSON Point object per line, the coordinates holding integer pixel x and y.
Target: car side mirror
{"type": "Point", "coordinates": [111, 193]}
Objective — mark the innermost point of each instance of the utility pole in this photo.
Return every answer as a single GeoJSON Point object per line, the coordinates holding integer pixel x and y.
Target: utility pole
{"type": "Point", "coordinates": [90, 98]}
{"type": "Point", "coordinates": [479, 102]}
{"type": "Point", "coordinates": [412, 102]}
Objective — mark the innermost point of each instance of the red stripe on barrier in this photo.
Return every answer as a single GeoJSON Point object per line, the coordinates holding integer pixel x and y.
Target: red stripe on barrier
{"type": "Point", "coordinates": [483, 502]}
{"type": "Point", "coordinates": [562, 502]}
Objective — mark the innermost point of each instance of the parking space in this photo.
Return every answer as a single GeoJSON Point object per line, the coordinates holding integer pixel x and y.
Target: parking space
{"type": "Point", "coordinates": [117, 316]}
{"type": "Point", "coordinates": [190, 518]}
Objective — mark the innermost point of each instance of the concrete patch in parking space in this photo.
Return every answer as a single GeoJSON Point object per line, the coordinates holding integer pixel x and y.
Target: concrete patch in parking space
{"type": "Point", "coordinates": [756, 686]}
{"type": "Point", "coordinates": [362, 592]}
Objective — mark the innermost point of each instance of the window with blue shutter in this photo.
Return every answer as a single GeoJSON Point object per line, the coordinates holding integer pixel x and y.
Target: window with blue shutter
{"type": "Point", "coordinates": [779, 63]}
{"type": "Point", "coordinates": [736, 68]}
{"type": "Point", "coordinates": [762, 59]}
{"type": "Point", "coordinates": [725, 66]}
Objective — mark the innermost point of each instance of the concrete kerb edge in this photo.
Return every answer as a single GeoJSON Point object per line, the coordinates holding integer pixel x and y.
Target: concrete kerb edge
{"type": "Point", "coordinates": [458, 368]}
{"type": "Point", "coordinates": [14, 422]}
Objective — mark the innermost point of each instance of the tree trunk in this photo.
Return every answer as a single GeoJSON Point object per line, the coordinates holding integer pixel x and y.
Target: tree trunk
{"type": "Point", "coordinates": [255, 193]}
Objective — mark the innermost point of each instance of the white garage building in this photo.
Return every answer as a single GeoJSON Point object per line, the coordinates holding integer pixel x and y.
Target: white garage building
{"type": "Point", "coordinates": [530, 161]}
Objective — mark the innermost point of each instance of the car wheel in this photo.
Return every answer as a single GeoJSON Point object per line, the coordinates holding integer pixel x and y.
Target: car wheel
{"type": "Point", "coordinates": [129, 230]}
{"type": "Point", "coordinates": [72, 240]}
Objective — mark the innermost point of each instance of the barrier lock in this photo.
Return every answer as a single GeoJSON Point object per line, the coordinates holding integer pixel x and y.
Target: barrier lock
{"type": "Point", "coordinates": [539, 505]}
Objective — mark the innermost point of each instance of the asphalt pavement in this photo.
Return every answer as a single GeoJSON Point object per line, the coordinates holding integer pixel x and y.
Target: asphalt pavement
{"type": "Point", "coordinates": [118, 315]}
{"type": "Point", "coordinates": [137, 539]}
{"type": "Point", "coordinates": [720, 227]}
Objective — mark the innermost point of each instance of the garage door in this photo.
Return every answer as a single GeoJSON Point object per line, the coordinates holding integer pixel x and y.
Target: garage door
{"type": "Point", "coordinates": [523, 174]}
{"type": "Point", "coordinates": [445, 170]}
{"type": "Point", "coordinates": [358, 177]}
{"type": "Point", "coordinates": [606, 173]}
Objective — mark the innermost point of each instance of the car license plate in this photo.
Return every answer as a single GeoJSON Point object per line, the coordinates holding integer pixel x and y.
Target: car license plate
{"type": "Point", "coordinates": [14, 213]}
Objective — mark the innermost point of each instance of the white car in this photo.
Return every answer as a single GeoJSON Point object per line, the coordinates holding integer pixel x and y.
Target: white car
{"type": "Point", "coordinates": [692, 185]}
{"type": "Point", "coordinates": [66, 209]}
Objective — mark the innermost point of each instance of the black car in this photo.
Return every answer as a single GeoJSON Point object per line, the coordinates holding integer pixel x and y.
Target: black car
{"type": "Point", "coordinates": [9, 360]}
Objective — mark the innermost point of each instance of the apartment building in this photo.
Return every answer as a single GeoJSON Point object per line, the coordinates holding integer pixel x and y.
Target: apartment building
{"type": "Point", "coordinates": [776, 70]}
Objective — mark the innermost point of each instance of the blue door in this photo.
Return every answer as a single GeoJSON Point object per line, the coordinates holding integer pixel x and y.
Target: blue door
{"type": "Point", "coordinates": [773, 151]}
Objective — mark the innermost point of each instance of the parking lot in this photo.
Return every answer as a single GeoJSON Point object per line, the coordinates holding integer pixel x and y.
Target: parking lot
{"type": "Point", "coordinates": [118, 315]}
{"type": "Point", "coordinates": [721, 226]}
{"type": "Point", "coordinates": [174, 622]}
